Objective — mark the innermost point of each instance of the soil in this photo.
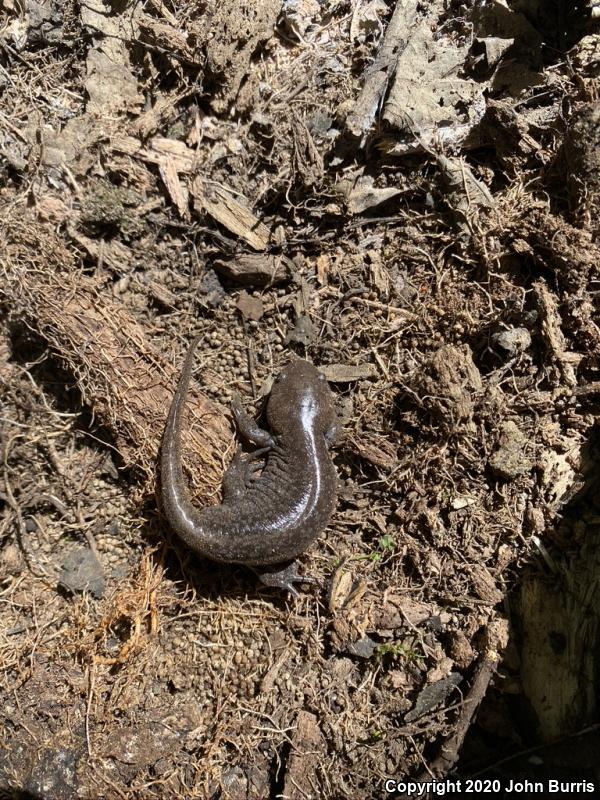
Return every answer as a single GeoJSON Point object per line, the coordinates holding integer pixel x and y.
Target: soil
{"type": "Point", "coordinates": [409, 197]}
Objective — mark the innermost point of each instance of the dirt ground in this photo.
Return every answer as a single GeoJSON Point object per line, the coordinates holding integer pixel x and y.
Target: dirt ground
{"type": "Point", "coordinates": [406, 194]}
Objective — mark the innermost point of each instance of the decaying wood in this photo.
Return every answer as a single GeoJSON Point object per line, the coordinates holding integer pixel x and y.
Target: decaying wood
{"type": "Point", "coordinates": [158, 150]}
{"type": "Point", "coordinates": [235, 216]}
{"type": "Point", "coordinates": [123, 378]}
{"type": "Point", "coordinates": [559, 655]}
{"type": "Point", "coordinates": [308, 748]}
{"type": "Point", "coordinates": [496, 640]}
{"type": "Point", "coordinates": [381, 72]}
{"type": "Point", "coordinates": [553, 335]}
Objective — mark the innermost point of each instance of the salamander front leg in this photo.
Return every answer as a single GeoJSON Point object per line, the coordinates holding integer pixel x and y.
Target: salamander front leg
{"type": "Point", "coordinates": [284, 576]}
{"type": "Point", "coordinates": [248, 427]}
{"type": "Point", "coordinates": [332, 434]}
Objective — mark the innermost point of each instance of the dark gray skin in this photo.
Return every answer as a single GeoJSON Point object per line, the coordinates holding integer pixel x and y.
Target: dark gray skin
{"type": "Point", "coordinates": [270, 519]}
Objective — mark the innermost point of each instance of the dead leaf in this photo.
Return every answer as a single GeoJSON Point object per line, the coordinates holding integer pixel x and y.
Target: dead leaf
{"type": "Point", "coordinates": [427, 96]}
{"type": "Point", "coordinates": [322, 264]}
{"type": "Point", "coordinates": [467, 193]}
{"type": "Point", "coordinates": [363, 195]}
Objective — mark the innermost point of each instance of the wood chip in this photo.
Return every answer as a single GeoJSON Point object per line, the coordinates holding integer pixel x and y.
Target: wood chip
{"type": "Point", "coordinates": [158, 150]}
{"type": "Point", "coordinates": [256, 269]}
{"type": "Point", "coordinates": [377, 77]}
{"type": "Point", "coordinates": [322, 264]}
{"type": "Point", "coordinates": [345, 373]}
{"type": "Point", "coordinates": [177, 192]}
{"type": "Point", "coordinates": [377, 450]}
{"type": "Point", "coordinates": [113, 255]}
{"type": "Point", "coordinates": [233, 215]}
{"type": "Point", "coordinates": [167, 36]}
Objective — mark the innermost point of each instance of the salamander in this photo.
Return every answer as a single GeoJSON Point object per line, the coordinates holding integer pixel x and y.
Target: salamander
{"type": "Point", "coordinates": [271, 511]}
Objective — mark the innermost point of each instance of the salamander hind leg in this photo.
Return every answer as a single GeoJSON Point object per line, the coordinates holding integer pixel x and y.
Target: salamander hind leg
{"type": "Point", "coordinates": [284, 576]}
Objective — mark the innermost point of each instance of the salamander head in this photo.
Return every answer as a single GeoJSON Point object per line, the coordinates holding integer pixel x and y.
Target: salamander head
{"type": "Point", "coordinates": [300, 397]}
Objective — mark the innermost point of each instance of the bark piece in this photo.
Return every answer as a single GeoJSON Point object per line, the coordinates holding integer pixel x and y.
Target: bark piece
{"type": "Point", "coordinates": [158, 149]}
{"type": "Point", "coordinates": [559, 657]}
{"type": "Point", "coordinates": [111, 84]}
{"type": "Point", "coordinates": [553, 335]}
{"type": "Point", "coordinates": [234, 32]}
{"type": "Point", "coordinates": [308, 748]}
{"type": "Point", "coordinates": [448, 383]}
{"type": "Point", "coordinates": [378, 76]}
{"type": "Point", "coordinates": [250, 307]}
{"type": "Point", "coordinates": [345, 373]}
{"type": "Point", "coordinates": [582, 153]}
{"type": "Point", "coordinates": [256, 269]}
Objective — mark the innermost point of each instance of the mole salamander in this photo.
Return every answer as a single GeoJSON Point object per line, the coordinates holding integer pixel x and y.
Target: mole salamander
{"type": "Point", "coordinates": [265, 519]}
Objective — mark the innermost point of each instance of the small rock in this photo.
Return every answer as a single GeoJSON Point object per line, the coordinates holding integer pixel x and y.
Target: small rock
{"type": "Point", "coordinates": [433, 695]}
{"type": "Point", "coordinates": [45, 22]}
{"type": "Point", "coordinates": [512, 340]}
{"type": "Point", "coordinates": [363, 648]}
{"type": "Point", "coordinates": [54, 775]}
{"type": "Point", "coordinates": [81, 571]}
{"type": "Point", "coordinates": [210, 290]}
